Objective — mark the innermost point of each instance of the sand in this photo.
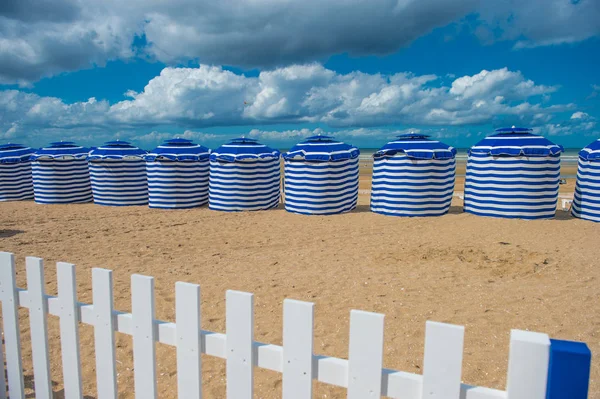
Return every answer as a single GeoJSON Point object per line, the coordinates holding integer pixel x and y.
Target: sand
{"type": "Point", "coordinates": [490, 275]}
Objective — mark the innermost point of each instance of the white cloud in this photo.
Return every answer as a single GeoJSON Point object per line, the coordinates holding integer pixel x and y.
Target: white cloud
{"type": "Point", "coordinates": [580, 124]}
{"type": "Point", "coordinates": [580, 115]}
{"type": "Point", "coordinates": [192, 98]}
{"type": "Point", "coordinates": [44, 37]}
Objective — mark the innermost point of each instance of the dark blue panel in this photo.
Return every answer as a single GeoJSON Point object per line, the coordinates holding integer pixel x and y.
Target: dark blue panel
{"type": "Point", "coordinates": [569, 370]}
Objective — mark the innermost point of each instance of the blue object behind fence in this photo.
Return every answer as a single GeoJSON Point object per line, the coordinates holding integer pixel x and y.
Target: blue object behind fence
{"type": "Point", "coordinates": [569, 370]}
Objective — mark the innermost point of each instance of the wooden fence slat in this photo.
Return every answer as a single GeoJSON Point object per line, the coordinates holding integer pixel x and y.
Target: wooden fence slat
{"type": "Point", "coordinates": [189, 364]}
{"type": "Point", "coordinates": [144, 348]}
{"type": "Point", "coordinates": [527, 365]}
{"type": "Point", "coordinates": [10, 320]}
{"type": "Point", "coordinates": [239, 322]}
{"type": "Point", "coordinates": [442, 364]}
{"type": "Point", "coordinates": [69, 330]}
{"type": "Point", "coordinates": [298, 321]}
{"type": "Point", "coordinates": [38, 319]}
{"type": "Point", "coordinates": [365, 357]}
{"type": "Point", "coordinates": [104, 333]}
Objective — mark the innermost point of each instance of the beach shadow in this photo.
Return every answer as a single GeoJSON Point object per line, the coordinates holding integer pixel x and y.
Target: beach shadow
{"type": "Point", "coordinates": [455, 210]}
{"type": "Point", "coordinates": [361, 209]}
{"type": "Point", "coordinates": [563, 215]}
{"type": "Point", "coordinates": [10, 233]}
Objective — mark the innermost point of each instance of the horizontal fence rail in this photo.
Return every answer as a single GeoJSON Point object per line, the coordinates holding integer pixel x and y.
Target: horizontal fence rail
{"type": "Point", "coordinates": [535, 370]}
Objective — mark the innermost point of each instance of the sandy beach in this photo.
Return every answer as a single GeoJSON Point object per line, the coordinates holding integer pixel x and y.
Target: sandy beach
{"type": "Point", "coordinates": [490, 275]}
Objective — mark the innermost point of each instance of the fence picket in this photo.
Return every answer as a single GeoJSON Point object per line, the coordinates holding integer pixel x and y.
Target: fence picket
{"type": "Point", "coordinates": [10, 320]}
{"type": "Point", "coordinates": [442, 364]}
{"type": "Point", "coordinates": [298, 321]}
{"type": "Point", "coordinates": [104, 333]}
{"type": "Point", "coordinates": [38, 319]}
{"type": "Point", "coordinates": [527, 365]}
{"type": "Point", "coordinates": [239, 320]}
{"type": "Point", "coordinates": [188, 319]}
{"type": "Point", "coordinates": [69, 329]}
{"type": "Point", "coordinates": [365, 357]}
{"type": "Point", "coordinates": [144, 348]}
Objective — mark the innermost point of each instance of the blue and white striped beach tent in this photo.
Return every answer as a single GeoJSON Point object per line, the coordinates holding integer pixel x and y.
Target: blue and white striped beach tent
{"type": "Point", "coordinates": [178, 175]}
{"type": "Point", "coordinates": [321, 177]}
{"type": "Point", "coordinates": [15, 172]}
{"type": "Point", "coordinates": [586, 203]}
{"type": "Point", "coordinates": [118, 174]}
{"type": "Point", "coordinates": [513, 174]}
{"type": "Point", "coordinates": [413, 176]}
{"type": "Point", "coordinates": [61, 174]}
{"type": "Point", "coordinates": [244, 176]}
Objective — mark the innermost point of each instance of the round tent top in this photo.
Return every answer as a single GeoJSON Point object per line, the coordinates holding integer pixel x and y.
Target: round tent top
{"type": "Point", "coordinates": [513, 129]}
{"type": "Point", "coordinates": [61, 150]}
{"type": "Point", "coordinates": [14, 153]}
{"type": "Point", "coordinates": [322, 149]}
{"type": "Point", "coordinates": [591, 152]}
{"type": "Point", "coordinates": [417, 146]}
{"type": "Point", "coordinates": [243, 148]}
{"type": "Point", "coordinates": [516, 142]}
{"type": "Point", "coordinates": [116, 150]}
{"type": "Point", "coordinates": [178, 149]}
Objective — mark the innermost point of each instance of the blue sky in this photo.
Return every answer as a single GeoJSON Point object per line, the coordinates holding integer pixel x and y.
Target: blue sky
{"type": "Point", "coordinates": [95, 71]}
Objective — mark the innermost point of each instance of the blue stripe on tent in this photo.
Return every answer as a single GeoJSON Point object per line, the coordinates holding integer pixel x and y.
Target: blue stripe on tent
{"type": "Point", "coordinates": [527, 192]}
{"type": "Point", "coordinates": [16, 182]}
{"type": "Point", "coordinates": [405, 186]}
{"type": "Point", "coordinates": [178, 184]}
{"type": "Point", "coordinates": [587, 188]}
{"type": "Point", "coordinates": [321, 188]}
{"type": "Point", "coordinates": [119, 182]}
{"type": "Point", "coordinates": [568, 370]}
{"type": "Point", "coordinates": [249, 184]}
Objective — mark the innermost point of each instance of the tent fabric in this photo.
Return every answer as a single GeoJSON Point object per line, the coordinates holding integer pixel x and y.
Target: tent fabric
{"type": "Point", "coordinates": [178, 173]}
{"type": "Point", "coordinates": [513, 175]}
{"type": "Point", "coordinates": [416, 146]}
{"type": "Point", "coordinates": [586, 202]}
{"type": "Point", "coordinates": [321, 177]}
{"type": "Point", "coordinates": [118, 174]}
{"type": "Point", "coordinates": [244, 176]}
{"type": "Point", "coordinates": [323, 149]}
{"type": "Point", "coordinates": [413, 176]}
{"type": "Point", "coordinates": [16, 183]}
{"type": "Point", "coordinates": [61, 174]}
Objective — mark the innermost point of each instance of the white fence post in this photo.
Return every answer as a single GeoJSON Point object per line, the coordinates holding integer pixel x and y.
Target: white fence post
{"type": "Point", "coordinates": [298, 321]}
{"type": "Point", "coordinates": [69, 329]}
{"type": "Point", "coordinates": [442, 364]}
{"type": "Point", "coordinates": [365, 357]}
{"type": "Point", "coordinates": [239, 346]}
{"type": "Point", "coordinates": [2, 380]}
{"type": "Point", "coordinates": [527, 365]}
{"type": "Point", "coordinates": [104, 333]}
{"type": "Point", "coordinates": [38, 315]}
{"type": "Point", "coordinates": [10, 319]}
{"type": "Point", "coordinates": [144, 348]}
{"type": "Point", "coordinates": [189, 349]}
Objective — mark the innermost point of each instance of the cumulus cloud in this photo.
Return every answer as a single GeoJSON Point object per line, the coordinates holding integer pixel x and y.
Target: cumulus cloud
{"type": "Point", "coordinates": [207, 96]}
{"type": "Point", "coordinates": [580, 123]}
{"type": "Point", "coordinates": [44, 37]}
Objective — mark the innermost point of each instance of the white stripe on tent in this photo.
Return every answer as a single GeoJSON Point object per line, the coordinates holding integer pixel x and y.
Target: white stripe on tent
{"type": "Point", "coordinates": [119, 182]}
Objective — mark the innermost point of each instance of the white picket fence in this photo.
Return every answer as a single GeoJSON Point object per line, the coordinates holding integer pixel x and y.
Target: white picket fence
{"type": "Point", "coordinates": [362, 374]}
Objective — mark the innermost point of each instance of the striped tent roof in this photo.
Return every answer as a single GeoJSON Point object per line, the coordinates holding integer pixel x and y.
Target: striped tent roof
{"type": "Point", "coordinates": [417, 146]}
{"type": "Point", "coordinates": [591, 152]}
{"type": "Point", "coordinates": [61, 150]}
{"type": "Point", "coordinates": [516, 141]}
{"type": "Point", "coordinates": [116, 150]}
{"type": "Point", "coordinates": [14, 153]}
{"type": "Point", "coordinates": [323, 149]}
{"type": "Point", "coordinates": [243, 148]}
{"type": "Point", "coordinates": [178, 149]}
